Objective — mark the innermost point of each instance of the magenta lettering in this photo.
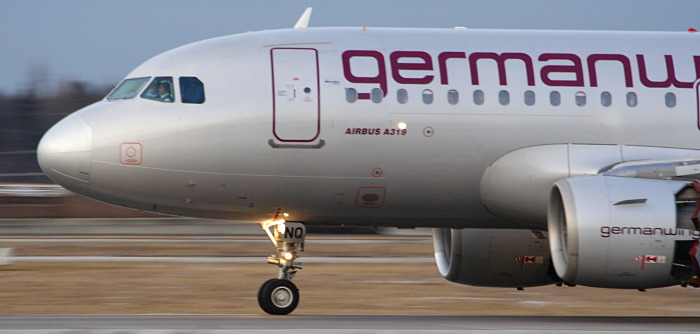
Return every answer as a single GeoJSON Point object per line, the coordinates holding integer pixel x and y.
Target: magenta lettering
{"type": "Point", "coordinates": [645, 79]}
{"type": "Point", "coordinates": [576, 69]}
{"type": "Point", "coordinates": [555, 69]}
{"type": "Point", "coordinates": [670, 72]}
{"type": "Point", "coordinates": [626, 67]}
{"type": "Point", "coordinates": [397, 67]}
{"type": "Point", "coordinates": [380, 79]}
{"type": "Point", "coordinates": [442, 63]}
{"type": "Point", "coordinates": [501, 61]}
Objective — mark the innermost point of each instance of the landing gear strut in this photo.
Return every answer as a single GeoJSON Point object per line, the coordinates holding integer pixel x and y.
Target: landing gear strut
{"type": "Point", "coordinates": [279, 296]}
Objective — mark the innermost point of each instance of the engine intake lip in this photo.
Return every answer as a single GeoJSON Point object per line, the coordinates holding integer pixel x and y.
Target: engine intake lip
{"type": "Point", "coordinates": [563, 239]}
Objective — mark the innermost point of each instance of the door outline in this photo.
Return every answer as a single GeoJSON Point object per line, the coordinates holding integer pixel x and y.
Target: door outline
{"type": "Point", "coordinates": [697, 100]}
{"type": "Point", "coordinates": [275, 106]}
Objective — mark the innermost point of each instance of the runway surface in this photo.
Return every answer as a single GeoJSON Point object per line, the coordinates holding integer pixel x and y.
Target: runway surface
{"type": "Point", "coordinates": [215, 324]}
{"type": "Point", "coordinates": [196, 284]}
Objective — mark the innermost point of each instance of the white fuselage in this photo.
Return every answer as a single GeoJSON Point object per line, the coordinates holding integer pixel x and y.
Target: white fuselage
{"type": "Point", "coordinates": [280, 127]}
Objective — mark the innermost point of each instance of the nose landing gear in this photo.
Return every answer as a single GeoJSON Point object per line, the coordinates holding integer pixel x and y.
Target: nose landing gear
{"type": "Point", "coordinates": [279, 296]}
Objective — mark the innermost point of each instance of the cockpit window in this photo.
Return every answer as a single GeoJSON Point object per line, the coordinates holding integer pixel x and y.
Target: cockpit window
{"type": "Point", "coordinates": [128, 89]}
{"type": "Point", "coordinates": [160, 89]}
{"type": "Point", "coordinates": [191, 90]}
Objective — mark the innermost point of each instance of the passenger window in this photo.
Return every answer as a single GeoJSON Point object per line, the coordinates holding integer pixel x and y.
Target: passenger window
{"type": "Point", "coordinates": [402, 96]}
{"type": "Point", "coordinates": [160, 89]}
{"type": "Point", "coordinates": [127, 89]}
{"type": "Point", "coordinates": [580, 99]}
{"type": "Point", "coordinates": [670, 100]}
{"type": "Point", "coordinates": [555, 98]}
{"type": "Point", "coordinates": [427, 96]}
{"type": "Point", "coordinates": [191, 90]}
{"type": "Point", "coordinates": [452, 97]}
{"type": "Point", "coordinates": [376, 95]}
{"type": "Point", "coordinates": [478, 97]}
{"type": "Point", "coordinates": [632, 99]}
{"type": "Point", "coordinates": [503, 97]}
{"type": "Point", "coordinates": [351, 95]}
{"type": "Point", "coordinates": [605, 99]}
{"type": "Point", "coordinates": [529, 98]}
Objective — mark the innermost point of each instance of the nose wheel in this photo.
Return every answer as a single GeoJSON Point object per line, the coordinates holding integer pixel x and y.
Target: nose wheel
{"type": "Point", "coordinates": [279, 296]}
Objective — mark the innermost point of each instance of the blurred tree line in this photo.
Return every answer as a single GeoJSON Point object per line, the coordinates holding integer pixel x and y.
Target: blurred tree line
{"type": "Point", "coordinates": [25, 117]}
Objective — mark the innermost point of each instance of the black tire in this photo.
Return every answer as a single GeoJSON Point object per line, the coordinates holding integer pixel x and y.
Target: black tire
{"type": "Point", "coordinates": [278, 296]}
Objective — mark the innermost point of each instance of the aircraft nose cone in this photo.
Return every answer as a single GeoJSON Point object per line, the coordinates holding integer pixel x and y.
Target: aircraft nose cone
{"type": "Point", "coordinates": [65, 152]}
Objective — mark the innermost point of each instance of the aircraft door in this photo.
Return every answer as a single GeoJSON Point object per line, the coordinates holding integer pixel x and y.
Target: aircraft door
{"type": "Point", "coordinates": [697, 100]}
{"type": "Point", "coordinates": [295, 88]}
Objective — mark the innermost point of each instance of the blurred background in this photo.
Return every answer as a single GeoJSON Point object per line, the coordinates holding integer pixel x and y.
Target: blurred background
{"type": "Point", "coordinates": [24, 117]}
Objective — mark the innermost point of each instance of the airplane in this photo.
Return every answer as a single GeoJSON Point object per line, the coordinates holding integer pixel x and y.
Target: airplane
{"type": "Point", "coordinates": [536, 157]}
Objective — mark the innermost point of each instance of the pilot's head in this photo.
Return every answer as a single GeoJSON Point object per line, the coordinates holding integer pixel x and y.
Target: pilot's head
{"type": "Point", "coordinates": [164, 87]}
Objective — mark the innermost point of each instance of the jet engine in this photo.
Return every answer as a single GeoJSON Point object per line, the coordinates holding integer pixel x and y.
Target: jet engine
{"type": "Point", "coordinates": [620, 232]}
{"type": "Point", "coordinates": [493, 257]}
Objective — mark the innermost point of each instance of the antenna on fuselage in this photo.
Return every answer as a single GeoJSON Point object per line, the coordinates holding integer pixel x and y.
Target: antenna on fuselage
{"type": "Point", "coordinates": [303, 22]}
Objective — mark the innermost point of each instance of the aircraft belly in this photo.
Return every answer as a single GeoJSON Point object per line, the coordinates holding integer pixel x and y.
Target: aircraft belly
{"type": "Point", "coordinates": [312, 199]}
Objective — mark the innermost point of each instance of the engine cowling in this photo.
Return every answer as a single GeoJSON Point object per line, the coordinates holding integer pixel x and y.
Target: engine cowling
{"type": "Point", "coordinates": [616, 232]}
{"type": "Point", "coordinates": [493, 257]}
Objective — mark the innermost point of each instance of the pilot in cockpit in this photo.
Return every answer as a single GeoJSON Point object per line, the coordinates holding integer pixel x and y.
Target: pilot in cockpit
{"type": "Point", "coordinates": [151, 93]}
{"type": "Point", "coordinates": [165, 92]}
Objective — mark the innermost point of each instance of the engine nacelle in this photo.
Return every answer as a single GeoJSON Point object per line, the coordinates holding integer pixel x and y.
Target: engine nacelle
{"type": "Point", "coordinates": [517, 186]}
{"type": "Point", "coordinates": [493, 257]}
{"type": "Point", "coordinates": [616, 232]}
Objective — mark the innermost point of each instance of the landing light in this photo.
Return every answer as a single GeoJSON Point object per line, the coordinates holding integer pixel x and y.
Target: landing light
{"type": "Point", "coordinates": [288, 256]}
{"type": "Point", "coordinates": [402, 125]}
{"type": "Point", "coordinates": [280, 228]}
